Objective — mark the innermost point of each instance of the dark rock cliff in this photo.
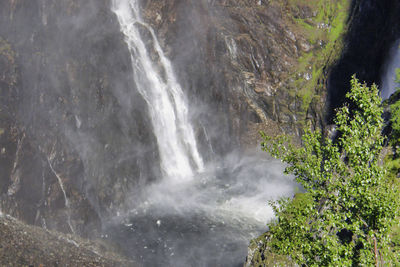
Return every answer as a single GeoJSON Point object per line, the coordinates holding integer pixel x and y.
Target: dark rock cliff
{"type": "Point", "coordinates": [232, 56]}
{"type": "Point", "coordinates": [375, 26]}
{"type": "Point", "coordinates": [70, 120]}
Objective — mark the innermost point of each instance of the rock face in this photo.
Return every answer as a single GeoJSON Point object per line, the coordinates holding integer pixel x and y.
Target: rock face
{"type": "Point", "coordinates": [243, 58]}
{"type": "Point", "coordinates": [74, 134]}
{"type": "Point", "coordinates": [260, 255]}
{"type": "Point", "coordinates": [226, 57]}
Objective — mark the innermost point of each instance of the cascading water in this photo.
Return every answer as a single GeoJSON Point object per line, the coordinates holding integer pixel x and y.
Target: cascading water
{"type": "Point", "coordinates": [163, 94]}
{"type": "Point", "coordinates": [197, 214]}
{"type": "Point", "coordinates": [389, 83]}
{"type": "Point", "coordinates": [66, 201]}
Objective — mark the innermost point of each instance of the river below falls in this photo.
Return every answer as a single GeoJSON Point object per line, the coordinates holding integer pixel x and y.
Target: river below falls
{"type": "Point", "coordinates": [207, 221]}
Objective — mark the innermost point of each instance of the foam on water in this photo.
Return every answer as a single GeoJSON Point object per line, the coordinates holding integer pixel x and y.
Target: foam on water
{"type": "Point", "coordinates": [206, 221]}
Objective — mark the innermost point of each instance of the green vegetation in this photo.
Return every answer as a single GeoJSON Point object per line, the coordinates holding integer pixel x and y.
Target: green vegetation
{"type": "Point", "coordinates": [395, 119]}
{"type": "Point", "coordinates": [347, 215]}
{"type": "Point", "coordinates": [324, 30]}
{"type": "Point", "coordinates": [392, 160]}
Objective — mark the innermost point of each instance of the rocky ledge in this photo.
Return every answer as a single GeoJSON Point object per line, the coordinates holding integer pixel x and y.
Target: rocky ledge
{"type": "Point", "coordinates": [25, 245]}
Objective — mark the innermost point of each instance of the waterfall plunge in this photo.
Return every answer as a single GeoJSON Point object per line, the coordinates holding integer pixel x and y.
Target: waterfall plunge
{"type": "Point", "coordinates": [206, 221]}
{"type": "Point", "coordinates": [389, 84]}
{"type": "Point", "coordinates": [168, 110]}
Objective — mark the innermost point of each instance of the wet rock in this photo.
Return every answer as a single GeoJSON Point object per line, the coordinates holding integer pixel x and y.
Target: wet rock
{"type": "Point", "coordinates": [260, 255]}
{"type": "Point", "coordinates": [75, 134]}
{"type": "Point", "coordinates": [23, 245]}
{"type": "Point", "coordinates": [228, 51]}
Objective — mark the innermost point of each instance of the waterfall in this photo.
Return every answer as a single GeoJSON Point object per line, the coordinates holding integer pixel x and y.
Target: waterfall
{"type": "Point", "coordinates": [389, 84]}
{"type": "Point", "coordinates": [206, 221]}
{"type": "Point", "coordinates": [158, 85]}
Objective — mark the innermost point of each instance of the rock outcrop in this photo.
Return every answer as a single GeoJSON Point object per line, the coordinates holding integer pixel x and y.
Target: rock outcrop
{"type": "Point", "coordinates": [24, 245]}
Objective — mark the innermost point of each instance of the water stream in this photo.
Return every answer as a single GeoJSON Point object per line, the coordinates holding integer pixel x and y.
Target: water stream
{"type": "Point", "coordinates": [61, 184]}
{"type": "Point", "coordinates": [389, 83]}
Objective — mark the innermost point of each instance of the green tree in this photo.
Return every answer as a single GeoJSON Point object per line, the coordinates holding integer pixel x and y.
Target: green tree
{"type": "Point", "coordinates": [349, 204]}
{"type": "Point", "coordinates": [395, 118]}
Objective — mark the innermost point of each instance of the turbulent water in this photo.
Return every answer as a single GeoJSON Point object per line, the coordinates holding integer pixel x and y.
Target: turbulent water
{"type": "Point", "coordinates": [198, 214]}
{"type": "Point", "coordinates": [389, 84]}
{"type": "Point", "coordinates": [207, 221]}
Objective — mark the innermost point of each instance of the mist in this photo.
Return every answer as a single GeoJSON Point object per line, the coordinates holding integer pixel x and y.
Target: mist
{"type": "Point", "coordinates": [206, 221]}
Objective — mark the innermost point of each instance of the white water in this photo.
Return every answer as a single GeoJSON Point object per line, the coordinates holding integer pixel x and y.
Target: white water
{"type": "Point", "coordinates": [66, 201]}
{"type": "Point", "coordinates": [207, 221]}
{"type": "Point", "coordinates": [389, 84]}
{"type": "Point", "coordinates": [168, 110]}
